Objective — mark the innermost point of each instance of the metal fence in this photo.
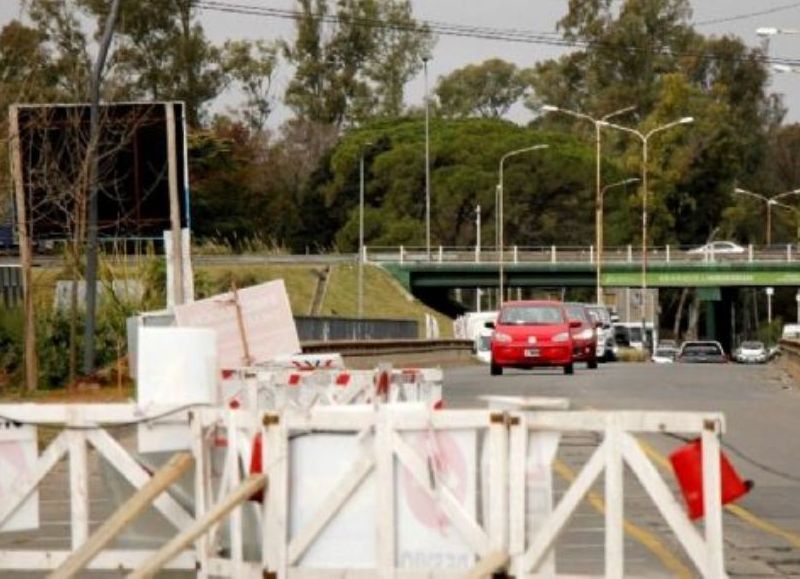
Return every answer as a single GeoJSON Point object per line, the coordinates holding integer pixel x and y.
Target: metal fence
{"type": "Point", "coordinates": [325, 329]}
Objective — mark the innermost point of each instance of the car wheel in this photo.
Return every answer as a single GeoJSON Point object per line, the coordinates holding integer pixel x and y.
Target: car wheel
{"type": "Point", "coordinates": [495, 370]}
{"type": "Point", "coordinates": [592, 364]}
{"type": "Point", "coordinates": [569, 369]}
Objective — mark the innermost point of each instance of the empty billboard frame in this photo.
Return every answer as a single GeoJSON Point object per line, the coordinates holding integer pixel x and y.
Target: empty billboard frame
{"type": "Point", "coordinates": [133, 169]}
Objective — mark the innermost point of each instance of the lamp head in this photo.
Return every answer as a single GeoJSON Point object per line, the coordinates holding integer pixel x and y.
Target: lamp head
{"type": "Point", "coordinates": [686, 120]}
{"type": "Point", "coordinates": [740, 190]}
{"type": "Point", "coordinates": [767, 31]}
{"type": "Point", "coordinates": [549, 108]}
{"type": "Point", "coordinates": [781, 68]}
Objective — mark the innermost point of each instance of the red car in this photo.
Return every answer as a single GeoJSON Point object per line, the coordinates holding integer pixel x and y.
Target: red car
{"type": "Point", "coordinates": [530, 334]}
{"type": "Point", "coordinates": [584, 338]}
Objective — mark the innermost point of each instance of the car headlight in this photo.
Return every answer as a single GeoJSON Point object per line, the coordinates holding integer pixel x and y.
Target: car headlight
{"type": "Point", "coordinates": [586, 334]}
{"type": "Point", "coordinates": [502, 338]}
{"type": "Point", "coordinates": [562, 337]}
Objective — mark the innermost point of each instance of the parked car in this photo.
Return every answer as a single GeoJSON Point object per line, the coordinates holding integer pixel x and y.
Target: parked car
{"type": "Point", "coordinates": [584, 338]}
{"type": "Point", "coordinates": [704, 352]}
{"type": "Point", "coordinates": [530, 334]}
{"type": "Point", "coordinates": [664, 355]}
{"type": "Point", "coordinates": [718, 248]}
{"type": "Point", "coordinates": [606, 343]}
{"type": "Point", "coordinates": [751, 353]}
{"type": "Point", "coordinates": [482, 345]}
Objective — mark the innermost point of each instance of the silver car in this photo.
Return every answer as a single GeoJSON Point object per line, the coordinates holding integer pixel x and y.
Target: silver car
{"type": "Point", "coordinates": [751, 353]}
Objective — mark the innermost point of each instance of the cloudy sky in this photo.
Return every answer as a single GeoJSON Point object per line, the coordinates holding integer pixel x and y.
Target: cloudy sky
{"type": "Point", "coordinates": [743, 18]}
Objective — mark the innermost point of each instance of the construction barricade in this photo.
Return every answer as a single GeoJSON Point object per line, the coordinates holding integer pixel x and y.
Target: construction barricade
{"type": "Point", "coordinates": [362, 490]}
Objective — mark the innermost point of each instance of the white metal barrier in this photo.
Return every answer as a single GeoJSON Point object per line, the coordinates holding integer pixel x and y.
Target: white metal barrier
{"type": "Point", "coordinates": [365, 491]}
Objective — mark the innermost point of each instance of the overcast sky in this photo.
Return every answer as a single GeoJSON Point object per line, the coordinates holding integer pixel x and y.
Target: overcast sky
{"type": "Point", "coordinates": [531, 15]}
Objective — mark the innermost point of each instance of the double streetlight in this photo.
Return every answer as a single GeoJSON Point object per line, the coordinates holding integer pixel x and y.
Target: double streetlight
{"type": "Point", "coordinates": [645, 138]}
{"type": "Point", "coordinates": [500, 210]}
{"type": "Point", "coordinates": [598, 124]}
{"type": "Point", "coordinates": [769, 201]}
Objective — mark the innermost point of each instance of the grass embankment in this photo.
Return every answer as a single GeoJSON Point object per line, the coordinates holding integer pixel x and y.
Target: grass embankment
{"type": "Point", "coordinates": [384, 297]}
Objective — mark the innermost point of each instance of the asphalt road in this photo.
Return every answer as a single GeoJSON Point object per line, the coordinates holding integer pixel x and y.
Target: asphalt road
{"type": "Point", "coordinates": [762, 409]}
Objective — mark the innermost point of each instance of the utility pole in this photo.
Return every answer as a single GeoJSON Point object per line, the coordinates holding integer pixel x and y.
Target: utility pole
{"type": "Point", "coordinates": [91, 242]}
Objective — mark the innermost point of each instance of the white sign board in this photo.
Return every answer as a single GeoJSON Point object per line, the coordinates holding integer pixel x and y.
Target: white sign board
{"type": "Point", "coordinates": [17, 460]}
{"type": "Point", "coordinates": [267, 325]}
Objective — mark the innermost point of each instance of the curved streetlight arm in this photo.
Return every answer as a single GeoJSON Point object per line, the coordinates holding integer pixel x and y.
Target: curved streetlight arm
{"type": "Point", "coordinates": [618, 112]}
{"type": "Point", "coordinates": [786, 194]}
{"type": "Point", "coordinates": [740, 191]}
{"type": "Point", "coordinates": [683, 121]}
{"type": "Point", "coordinates": [518, 151]}
{"type": "Point", "coordinates": [622, 128]}
{"type": "Point", "coordinates": [620, 184]}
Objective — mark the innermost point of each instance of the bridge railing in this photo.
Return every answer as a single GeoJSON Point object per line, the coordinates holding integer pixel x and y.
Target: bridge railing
{"type": "Point", "coordinates": [788, 253]}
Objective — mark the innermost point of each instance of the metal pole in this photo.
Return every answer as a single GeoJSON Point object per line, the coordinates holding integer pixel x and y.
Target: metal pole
{"type": "Point", "coordinates": [361, 236]}
{"type": "Point", "coordinates": [478, 233]}
{"type": "Point", "coordinates": [427, 165]}
{"type": "Point", "coordinates": [769, 223]}
{"type": "Point", "coordinates": [644, 245]}
{"type": "Point", "coordinates": [500, 236]}
{"type": "Point", "coordinates": [598, 219]}
{"type": "Point", "coordinates": [91, 242]}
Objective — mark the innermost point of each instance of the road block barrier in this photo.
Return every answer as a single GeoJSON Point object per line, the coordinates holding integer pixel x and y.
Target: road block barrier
{"type": "Point", "coordinates": [393, 490]}
{"type": "Point", "coordinates": [264, 390]}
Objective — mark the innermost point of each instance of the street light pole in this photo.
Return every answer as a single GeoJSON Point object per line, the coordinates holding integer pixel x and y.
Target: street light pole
{"type": "Point", "coordinates": [360, 307]}
{"type": "Point", "coordinates": [770, 201]}
{"type": "Point", "coordinates": [645, 138]}
{"type": "Point", "coordinates": [598, 191]}
{"type": "Point", "coordinates": [427, 163]}
{"type": "Point", "coordinates": [500, 213]}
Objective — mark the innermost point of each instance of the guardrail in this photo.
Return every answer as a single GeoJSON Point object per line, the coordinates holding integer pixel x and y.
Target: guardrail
{"type": "Point", "coordinates": [387, 347]}
{"type": "Point", "coordinates": [578, 254]}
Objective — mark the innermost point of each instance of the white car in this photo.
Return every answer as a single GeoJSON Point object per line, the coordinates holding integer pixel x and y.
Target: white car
{"type": "Point", "coordinates": [718, 248]}
{"type": "Point", "coordinates": [664, 355]}
{"type": "Point", "coordinates": [751, 353]}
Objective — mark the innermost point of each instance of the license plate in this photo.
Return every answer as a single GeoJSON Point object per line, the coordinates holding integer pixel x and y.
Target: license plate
{"type": "Point", "coordinates": [532, 352]}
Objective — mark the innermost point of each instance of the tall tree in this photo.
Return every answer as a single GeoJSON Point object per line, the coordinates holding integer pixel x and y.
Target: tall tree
{"type": "Point", "coordinates": [646, 53]}
{"type": "Point", "coordinates": [355, 61]}
{"type": "Point", "coordinates": [487, 89]}
{"type": "Point", "coordinates": [163, 53]}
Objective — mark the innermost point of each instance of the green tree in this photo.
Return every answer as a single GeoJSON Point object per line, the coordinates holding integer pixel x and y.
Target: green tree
{"type": "Point", "coordinates": [646, 53]}
{"type": "Point", "coordinates": [487, 89]}
{"type": "Point", "coordinates": [354, 62]}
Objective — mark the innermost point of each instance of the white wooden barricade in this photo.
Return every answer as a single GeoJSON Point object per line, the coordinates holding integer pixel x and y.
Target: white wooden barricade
{"type": "Point", "coordinates": [383, 492]}
{"type": "Point", "coordinates": [91, 427]}
{"type": "Point", "coordinates": [394, 490]}
{"type": "Point", "coordinates": [532, 541]}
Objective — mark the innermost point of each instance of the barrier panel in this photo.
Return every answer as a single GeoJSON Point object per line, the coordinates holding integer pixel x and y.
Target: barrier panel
{"type": "Point", "coordinates": [358, 490]}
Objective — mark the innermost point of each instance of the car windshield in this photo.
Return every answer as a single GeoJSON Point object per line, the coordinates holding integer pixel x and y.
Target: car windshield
{"type": "Point", "coordinates": [576, 313]}
{"type": "Point", "coordinates": [531, 315]}
{"type": "Point", "coordinates": [701, 350]}
{"type": "Point", "coordinates": [752, 346]}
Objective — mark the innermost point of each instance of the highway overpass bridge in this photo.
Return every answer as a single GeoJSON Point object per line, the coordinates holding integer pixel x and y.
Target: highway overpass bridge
{"type": "Point", "coordinates": [432, 277]}
{"type": "Point", "coordinates": [576, 267]}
